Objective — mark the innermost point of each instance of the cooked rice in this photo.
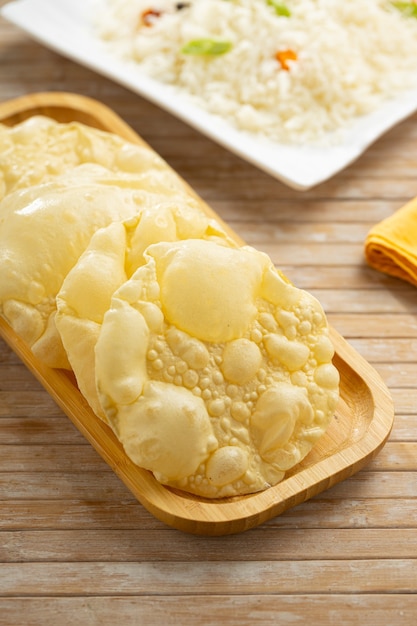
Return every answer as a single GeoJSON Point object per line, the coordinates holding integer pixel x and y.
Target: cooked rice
{"type": "Point", "coordinates": [350, 57]}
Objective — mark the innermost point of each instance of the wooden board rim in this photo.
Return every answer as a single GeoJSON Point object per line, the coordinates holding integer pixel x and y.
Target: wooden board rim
{"type": "Point", "coordinates": [373, 407]}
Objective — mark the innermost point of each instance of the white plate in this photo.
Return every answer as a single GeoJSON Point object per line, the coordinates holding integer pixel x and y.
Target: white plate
{"type": "Point", "coordinates": [64, 26]}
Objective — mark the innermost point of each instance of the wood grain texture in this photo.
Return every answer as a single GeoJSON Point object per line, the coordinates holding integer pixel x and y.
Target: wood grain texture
{"type": "Point", "coordinates": [293, 568]}
{"type": "Point", "coordinates": [254, 609]}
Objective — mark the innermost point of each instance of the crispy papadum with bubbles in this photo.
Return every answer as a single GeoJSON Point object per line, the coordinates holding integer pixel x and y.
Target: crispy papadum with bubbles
{"type": "Point", "coordinates": [213, 370]}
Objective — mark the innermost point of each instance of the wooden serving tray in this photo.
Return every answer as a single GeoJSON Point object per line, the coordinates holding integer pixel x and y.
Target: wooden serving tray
{"type": "Point", "coordinates": [359, 429]}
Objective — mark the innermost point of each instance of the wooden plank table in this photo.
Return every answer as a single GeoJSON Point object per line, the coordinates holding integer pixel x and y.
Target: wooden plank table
{"type": "Point", "coordinates": [77, 548]}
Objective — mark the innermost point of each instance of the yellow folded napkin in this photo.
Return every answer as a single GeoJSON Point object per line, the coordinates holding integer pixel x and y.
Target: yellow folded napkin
{"type": "Point", "coordinates": [391, 245]}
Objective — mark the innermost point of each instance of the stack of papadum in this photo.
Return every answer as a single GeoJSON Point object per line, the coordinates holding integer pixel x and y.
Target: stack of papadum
{"type": "Point", "coordinates": [212, 369]}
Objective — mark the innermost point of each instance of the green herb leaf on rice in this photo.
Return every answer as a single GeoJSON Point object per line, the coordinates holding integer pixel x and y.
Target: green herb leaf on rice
{"type": "Point", "coordinates": [280, 8]}
{"type": "Point", "coordinates": [209, 47]}
{"type": "Point", "coordinates": [407, 8]}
